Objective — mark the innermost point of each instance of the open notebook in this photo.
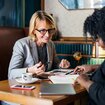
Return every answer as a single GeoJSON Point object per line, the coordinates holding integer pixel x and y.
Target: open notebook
{"type": "Point", "coordinates": [57, 89]}
{"type": "Point", "coordinates": [62, 71]}
{"type": "Point", "coordinates": [65, 79]}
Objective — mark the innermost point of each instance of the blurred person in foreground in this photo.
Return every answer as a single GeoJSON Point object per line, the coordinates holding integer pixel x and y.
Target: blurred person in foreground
{"type": "Point", "coordinates": [95, 84]}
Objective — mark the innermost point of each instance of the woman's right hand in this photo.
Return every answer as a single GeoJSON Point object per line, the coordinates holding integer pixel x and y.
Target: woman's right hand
{"type": "Point", "coordinates": [37, 69]}
{"type": "Point", "coordinates": [83, 69]}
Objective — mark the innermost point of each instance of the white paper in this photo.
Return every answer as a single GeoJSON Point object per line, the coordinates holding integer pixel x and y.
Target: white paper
{"type": "Point", "coordinates": [65, 79]}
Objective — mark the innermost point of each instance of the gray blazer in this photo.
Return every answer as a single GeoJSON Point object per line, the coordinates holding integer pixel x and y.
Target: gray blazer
{"type": "Point", "coordinates": [25, 55]}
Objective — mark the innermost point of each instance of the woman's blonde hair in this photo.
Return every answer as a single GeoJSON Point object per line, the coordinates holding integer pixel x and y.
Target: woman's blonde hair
{"type": "Point", "coordinates": [40, 15]}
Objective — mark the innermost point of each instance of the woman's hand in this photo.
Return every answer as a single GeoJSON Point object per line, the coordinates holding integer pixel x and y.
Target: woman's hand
{"type": "Point", "coordinates": [84, 81]}
{"type": "Point", "coordinates": [64, 63]}
{"type": "Point", "coordinates": [37, 69]}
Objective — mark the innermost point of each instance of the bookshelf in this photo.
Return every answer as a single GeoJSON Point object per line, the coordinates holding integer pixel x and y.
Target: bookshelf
{"type": "Point", "coordinates": [68, 46]}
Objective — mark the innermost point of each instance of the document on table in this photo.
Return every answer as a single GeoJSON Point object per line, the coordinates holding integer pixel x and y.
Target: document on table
{"type": "Point", "coordinates": [62, 71]}
{"type": "Point", "coordinates": [65, 79]}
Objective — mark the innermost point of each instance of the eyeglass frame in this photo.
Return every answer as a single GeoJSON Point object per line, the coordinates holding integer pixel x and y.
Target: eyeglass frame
{"type": "Point", "coordinates": [44, 31]}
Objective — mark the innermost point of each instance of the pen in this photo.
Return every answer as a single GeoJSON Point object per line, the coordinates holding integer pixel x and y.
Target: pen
{"type": "Point", "coordinates": [69, 72]}
{"type": "Point", "coordinates": [46, 64]}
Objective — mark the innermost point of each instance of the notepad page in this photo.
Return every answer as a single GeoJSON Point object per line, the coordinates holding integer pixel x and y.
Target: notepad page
{"type": "Point", "coordinates": [66, 79]}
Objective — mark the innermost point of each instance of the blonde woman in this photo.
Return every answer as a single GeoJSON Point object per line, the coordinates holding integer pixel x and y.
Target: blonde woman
{"type": "Point", "coordinates": [36, 53]}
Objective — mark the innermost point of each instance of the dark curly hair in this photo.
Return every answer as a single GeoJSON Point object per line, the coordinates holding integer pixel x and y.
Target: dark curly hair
{"type": "Point", "coordinates": [95, 24]}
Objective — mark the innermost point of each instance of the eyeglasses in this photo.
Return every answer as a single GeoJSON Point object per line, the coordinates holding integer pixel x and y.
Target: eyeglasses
{"type": "Point", "coordinates": [44, 31]}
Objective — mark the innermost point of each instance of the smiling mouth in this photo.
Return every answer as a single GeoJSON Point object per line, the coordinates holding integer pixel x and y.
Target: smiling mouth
{"type": "Point", "coordinates": [45, 38]}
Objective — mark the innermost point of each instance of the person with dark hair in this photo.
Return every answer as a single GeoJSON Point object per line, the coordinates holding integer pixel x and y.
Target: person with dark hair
{"type": "Point", "coordinates": [94, 84]}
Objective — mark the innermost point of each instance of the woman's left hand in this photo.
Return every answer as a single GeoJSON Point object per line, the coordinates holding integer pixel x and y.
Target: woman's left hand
{"type": "Point", "coordinates": [64, 63]}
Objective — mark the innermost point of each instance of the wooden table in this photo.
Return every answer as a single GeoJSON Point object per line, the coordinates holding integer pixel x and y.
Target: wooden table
{"type": "Point", "coordinates": [57, 100]}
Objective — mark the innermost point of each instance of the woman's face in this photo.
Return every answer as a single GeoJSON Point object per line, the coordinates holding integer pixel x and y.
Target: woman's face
{"type": "Point", "coordinates": [100, 43]}
{"type": "Point", "coordinates": [43, 31]}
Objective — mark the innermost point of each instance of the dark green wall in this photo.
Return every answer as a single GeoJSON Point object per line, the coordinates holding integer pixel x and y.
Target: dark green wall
{"type": "Point", "coordinates": [30, 7]}
{"type": "Point", "coordinates": [11, 13]}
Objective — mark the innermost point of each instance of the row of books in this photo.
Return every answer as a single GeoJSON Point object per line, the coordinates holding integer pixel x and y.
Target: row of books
{"type": "Point", "coordinates": [65, 48]}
